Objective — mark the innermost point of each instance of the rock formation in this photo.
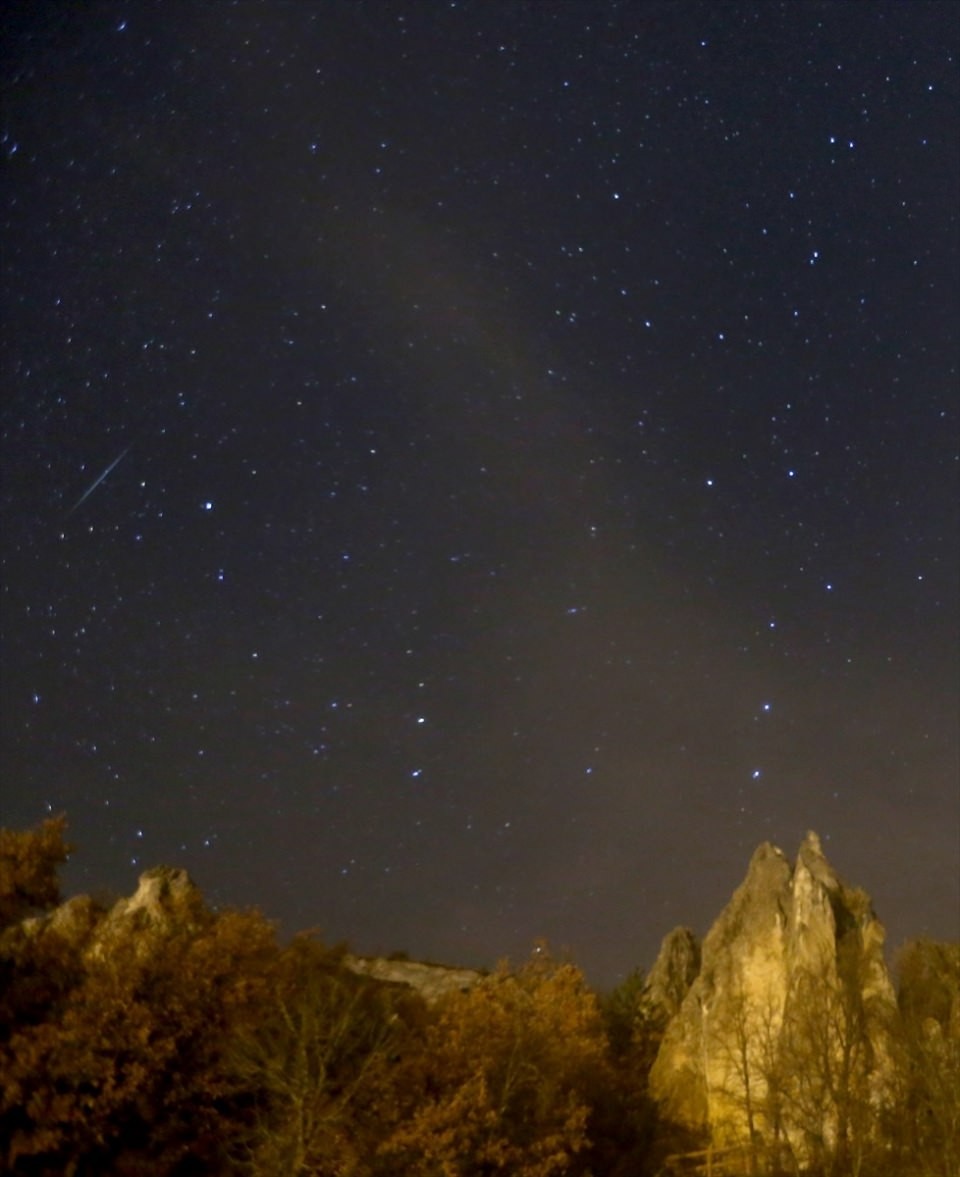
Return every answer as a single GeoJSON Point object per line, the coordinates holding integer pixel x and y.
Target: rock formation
{"type": "Point", "coordinates": [167, 900]}
{"type": "Point", "coordinates": [674, 971]}
{"type": "Point", "coordinates": [165, 896]}
{"type": "Point", "coordinates": [431, 981]}
{"type": "Point", "coordinates": [780, 1045]}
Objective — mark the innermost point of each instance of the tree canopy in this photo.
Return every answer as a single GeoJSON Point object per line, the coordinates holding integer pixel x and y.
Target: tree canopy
{"type": "Point", "coordinates": [190, 1041]}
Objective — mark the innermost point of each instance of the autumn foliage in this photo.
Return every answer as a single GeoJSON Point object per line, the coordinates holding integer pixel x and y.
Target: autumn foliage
{"type": "Point", "coordinates": [193, 1043]}
{"type": "Point", "coordinates": [179, 1041]}
{"type": "Point", "coordinates": [504, 1080]}
{"type": "Point", "coordinates": [28, 869]}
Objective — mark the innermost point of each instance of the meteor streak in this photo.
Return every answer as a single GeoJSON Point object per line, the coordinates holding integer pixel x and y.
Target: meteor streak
{"type": "Point", "coordinates": [93, 485]}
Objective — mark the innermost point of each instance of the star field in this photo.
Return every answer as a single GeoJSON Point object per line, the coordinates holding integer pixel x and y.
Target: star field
{"type": "Point", "coordinates": [474, 470]}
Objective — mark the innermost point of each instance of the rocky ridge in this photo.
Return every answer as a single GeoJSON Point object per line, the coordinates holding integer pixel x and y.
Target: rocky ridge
{"type": "Point", "coordinates": [431, 981]}
{"type": "Point", "coordinates": [167, 898]}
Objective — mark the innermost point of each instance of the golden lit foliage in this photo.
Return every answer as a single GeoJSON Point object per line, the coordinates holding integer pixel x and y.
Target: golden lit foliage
{"type": "Point", "coordinates": [28, 869]}
{"type": "Point", "coordinates": [505, 1078]}
{"type": "Point", "coordinates": [930, 1054]}
{"type": "Point", "coordinates": [158, 1038]}
{"type": "Point", "coordinates": [318, 1062]}
{"type": "Point", "coordinates": [128, 1060]}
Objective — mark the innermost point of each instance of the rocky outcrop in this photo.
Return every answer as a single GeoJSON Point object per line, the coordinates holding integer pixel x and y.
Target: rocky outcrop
{"type": "Point", "coordinates": [431, 981]}
{"type": "Point", "coordinates": [167, 900]}
{"type": "Point", "coordinates": [780, 1043]}
{"type": "Point", "coordinates": [72, 921]}
{"type": "Point", "coordinates": [165, 897]}
{"type": "Point", "coordinates": [674, 971]}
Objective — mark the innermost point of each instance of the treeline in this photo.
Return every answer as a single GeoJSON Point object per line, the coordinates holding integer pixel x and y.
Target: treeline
{"type": "Point", "coordinates": [202, 1046]}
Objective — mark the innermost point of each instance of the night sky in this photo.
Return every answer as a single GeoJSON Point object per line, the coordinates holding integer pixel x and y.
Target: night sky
{"type": "Point", "coordinates": [472, 471]}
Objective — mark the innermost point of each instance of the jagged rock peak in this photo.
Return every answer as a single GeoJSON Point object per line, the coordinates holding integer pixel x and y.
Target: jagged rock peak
{"type": "Point", "coordinates": [768, 868]}
{"type": "Point", "coordinates": [811, 843]}
{"type": "Point", "coordinates": [767, 860]}
{"type": "Point", "coordinates": [164, 895]}
{"type": "Point", "coordinates": [757, 911]}
{"type": "Point", "coordinates": [673, 972]}
{"type": "Point", "coordinates": [794, 949]}
{"type": "Point", "coordinates": [811, 857]}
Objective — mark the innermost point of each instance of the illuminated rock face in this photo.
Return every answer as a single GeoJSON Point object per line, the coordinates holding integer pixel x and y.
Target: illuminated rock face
{"type": "Point", "coordinates": [779, 1045]}
{"type": "Point", "coordinates": [165, 896]}
{"type": "Point", "coordinates": [166, 899]}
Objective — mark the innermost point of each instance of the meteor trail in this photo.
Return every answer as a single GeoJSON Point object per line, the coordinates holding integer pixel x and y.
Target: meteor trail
{"type": "Point", "coordinates": [93, 485]}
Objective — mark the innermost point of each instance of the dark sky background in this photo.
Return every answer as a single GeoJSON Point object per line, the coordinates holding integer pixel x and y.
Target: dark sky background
{"type": "Point", "coordinates": [472, 471]}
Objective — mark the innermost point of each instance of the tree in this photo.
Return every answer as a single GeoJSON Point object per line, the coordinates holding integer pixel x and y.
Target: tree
{"type": "Point", "coordinates": [623, 1120]}
{"type": "Point", "coordinates": [625, 1013]}
{"type": "Point", "coordinates": [317, 1063]}
{"type": "Point", "coordinates": [125, 1072]}
{"type": "Point", "coordinates": [504, 1082]}
{"type": "Point", "coordinates": [749, 1102]}
{"type": "Point", "coordinates": [837, 1065]}
{"type": "Point", "coordinates": [929, 1003]}
{"type": "Point", "coordinates": [28, 869]}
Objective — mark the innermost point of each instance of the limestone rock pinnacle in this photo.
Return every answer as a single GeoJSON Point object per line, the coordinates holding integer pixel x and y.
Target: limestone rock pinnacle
{"type": "Point", "coordinates": [795, 950]}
